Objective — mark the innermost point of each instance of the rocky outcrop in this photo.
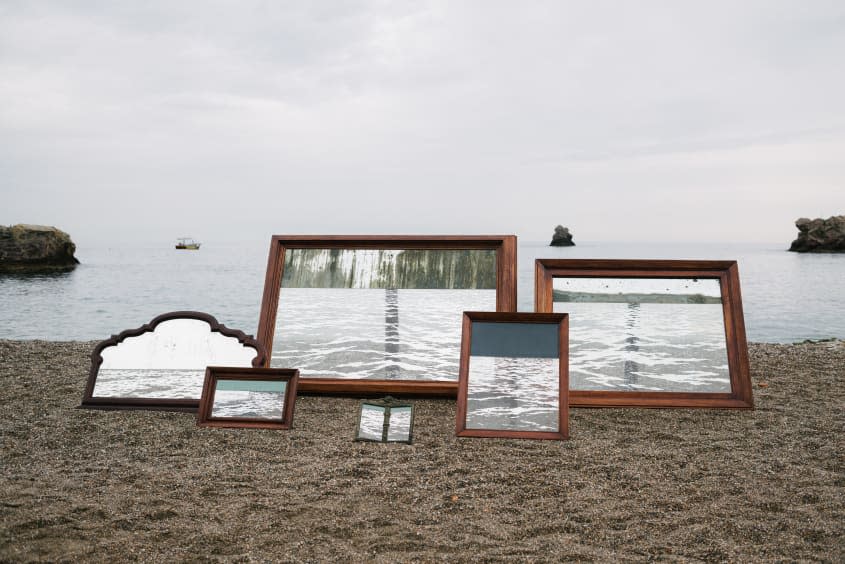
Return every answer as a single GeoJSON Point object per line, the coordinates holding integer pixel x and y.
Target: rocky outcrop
{"type": "Point", "coordinates": [562, 237]}
{"type": "Point", "coordinates": [35, 248]}
{"type": "Point", "coordinates": [820, 235]}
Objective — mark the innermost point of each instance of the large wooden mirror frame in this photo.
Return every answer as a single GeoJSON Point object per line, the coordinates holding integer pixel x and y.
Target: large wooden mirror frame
{"type": "Point", "coordinates": [314, 330]}
{"type": "Point", "coordinates": [650, 333]}
{"type": "Point", "coordinates": [161, 365]}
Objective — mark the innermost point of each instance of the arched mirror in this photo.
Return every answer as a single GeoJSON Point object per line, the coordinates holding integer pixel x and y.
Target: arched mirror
{"type": "Point", "coordinates": [161, 365]}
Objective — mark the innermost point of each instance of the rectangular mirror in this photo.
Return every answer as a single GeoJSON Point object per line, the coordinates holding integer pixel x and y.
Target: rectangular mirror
{"type": "Point", "coordinates": [650, 333]}
{"type": "Point", "coordinates": [248, 397]}
{"type": "Point", "coordinates": [161, 365]}
{"type": "Point", "coordinates": [379, 314]}
{"type": "Point", "coordinates": [514, 378]}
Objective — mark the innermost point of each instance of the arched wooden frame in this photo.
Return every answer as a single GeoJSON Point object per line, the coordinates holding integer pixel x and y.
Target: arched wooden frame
{"type": "Point", "coordinates": [506, 281]}
{"type": "Point", "coordinates": [726, 272]}
{"type": "Point", "coordinates": [162, 404]}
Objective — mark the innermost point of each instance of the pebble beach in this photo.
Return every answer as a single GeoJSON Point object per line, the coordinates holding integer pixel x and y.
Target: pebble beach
{"type": "Point", "coordinates": [630, 485]}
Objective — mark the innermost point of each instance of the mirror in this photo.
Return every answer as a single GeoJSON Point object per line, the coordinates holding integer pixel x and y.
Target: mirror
{"type": "Point", "coordinates": [161, 365]}
{"type": "Point", "coordinates": [513, 380]}
{"type": "Point", "coordinates": [650, 332]}
{"type": "Point", "coordinates": [248, 397]}
{"type": "Point", "coordinates": [380, 314]}
{"type": "Point", "coordinates": [386, 420]}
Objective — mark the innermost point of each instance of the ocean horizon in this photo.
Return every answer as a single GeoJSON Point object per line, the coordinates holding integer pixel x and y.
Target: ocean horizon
{"type": "Point", "coordinates": [787, 297]}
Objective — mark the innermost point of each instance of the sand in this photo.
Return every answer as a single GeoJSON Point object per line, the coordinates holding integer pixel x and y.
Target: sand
{"type": "Point", "coordinates": [630, 485]}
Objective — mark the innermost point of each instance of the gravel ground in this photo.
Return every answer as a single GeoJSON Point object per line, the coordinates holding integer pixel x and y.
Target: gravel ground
{"type": "Point", "coordinates": [630, 485]}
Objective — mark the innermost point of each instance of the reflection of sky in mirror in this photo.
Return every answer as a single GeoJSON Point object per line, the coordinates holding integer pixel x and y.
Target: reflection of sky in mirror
{"type": "Point", "coordinates": [515, 394]}
{"type": "Point", "coordinates": [178, 344]}
{"type": "Point", "coordinates": [251, 399]}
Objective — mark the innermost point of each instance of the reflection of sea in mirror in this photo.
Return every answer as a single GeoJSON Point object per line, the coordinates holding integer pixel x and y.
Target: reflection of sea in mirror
{"type": "Point", "coordinates": [169, 363]}
{"type": "Point", "coordinates": [514, 394]}
{"type": "Point", "coordinates": [149, 383]}
{"type": "Point", "coordinates": [644, 334]}
{"type": "Point", "coordinates": [374, 333]}
{"type": "Point", "coordinates": [400, 424]}
{"type": "Point", "coordinates": [371, 425]}
{"type": "Point", "coordinates": [248, 404]}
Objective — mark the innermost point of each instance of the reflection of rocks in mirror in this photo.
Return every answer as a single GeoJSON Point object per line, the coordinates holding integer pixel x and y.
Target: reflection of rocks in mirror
{"type": "Point", "coordinates": [562, 237]}
{"type": "Point", "coordinates": [820, 235]}
{"type": "Point", "coordinates": [35, 248]}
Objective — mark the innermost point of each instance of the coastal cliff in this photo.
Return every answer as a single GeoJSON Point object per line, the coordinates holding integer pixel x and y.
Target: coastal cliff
{"type": "Point", "coordinates": [35, 248]}
{"type": "Point", "coordinates": [820, 235]}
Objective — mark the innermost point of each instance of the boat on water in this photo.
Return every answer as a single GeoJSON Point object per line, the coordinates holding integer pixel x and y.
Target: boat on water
{"type": "Point", "coordinates": [186, 243]}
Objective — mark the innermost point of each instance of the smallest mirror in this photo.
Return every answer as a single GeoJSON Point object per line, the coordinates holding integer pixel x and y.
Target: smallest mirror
{"type": "Point", "coordinates": [387, 420]}
{"type": "Point", "coordinates": [248, 397]}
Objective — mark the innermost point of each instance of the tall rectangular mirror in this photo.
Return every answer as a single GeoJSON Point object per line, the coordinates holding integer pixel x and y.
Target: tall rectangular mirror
{"type": "Point", "coordinates": [513, 381]}
{"type": "Point", "coordinates": [650, 333]}
{"type": "Point", "coordinates": [380, 314]}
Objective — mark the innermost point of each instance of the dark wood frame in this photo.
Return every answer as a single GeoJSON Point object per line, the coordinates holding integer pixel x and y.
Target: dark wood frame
{"type": "Point", "coordinates": [159, 404]}
{"type": "Point", "coordinates": [506, 281]}
{"type": "Point", "coordinates": [215, 373]}
{"type": "Point", "coordinates": [726, 272]}
{"type": "Point", "coordinates": [562, 321]}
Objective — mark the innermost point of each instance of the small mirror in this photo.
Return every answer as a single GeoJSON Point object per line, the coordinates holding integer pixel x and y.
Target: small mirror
{"type": "Point", "coordinates": [248, 397]}
{"type": "Point", "coordinates": [513, 380]}
{"type": "Point", "coordinates": [161, 365]}
{"type": "Point", "coordinates": [387, 420]}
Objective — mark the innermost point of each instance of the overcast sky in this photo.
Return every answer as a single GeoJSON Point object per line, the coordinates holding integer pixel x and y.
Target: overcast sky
{"type": "Point", "coordinates": [229, 121]}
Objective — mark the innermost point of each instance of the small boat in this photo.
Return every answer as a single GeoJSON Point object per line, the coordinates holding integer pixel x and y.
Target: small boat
{"type": "Point", "coordinates": [187, 243]}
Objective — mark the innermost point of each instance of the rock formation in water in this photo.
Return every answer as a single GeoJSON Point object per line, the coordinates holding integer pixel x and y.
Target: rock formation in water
{"type": "Point", "coordinates": [562, 237]}
{"type": "Point", "coordinates": [388, 268]}
{"type": "Point", "coordinates": [820, 235]}
{"type": "Point", "coordinates": [35, 248]}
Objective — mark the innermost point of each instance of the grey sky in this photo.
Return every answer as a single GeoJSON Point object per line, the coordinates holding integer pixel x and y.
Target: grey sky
{"type": "Point", "coordinates": [139, 121]}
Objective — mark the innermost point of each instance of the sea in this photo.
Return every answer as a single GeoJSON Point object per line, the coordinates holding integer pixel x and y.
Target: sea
{"type": "Point", "coordinates": [787, 297]}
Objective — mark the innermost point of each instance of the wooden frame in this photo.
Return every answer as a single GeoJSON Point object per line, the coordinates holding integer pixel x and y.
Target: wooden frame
{"type": "Point", "coordinates": [727, 274]}
{"type": "Point", "coordinates": [562, 322]}
{"type": "Point", "coordinates": [505, 276]}
{"type": "Point", "coordinates": [214, 374]}
{"type": "Point", "coordinates": [166, 404]}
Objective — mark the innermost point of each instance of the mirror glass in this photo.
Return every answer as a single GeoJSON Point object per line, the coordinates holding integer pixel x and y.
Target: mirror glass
{"type": "Point", "coordinates": [167, 363]}
{"type": "Point", "coordinates": [400, 424]}
{"type": "Point", "coordinates": [371, 423]}
{"type": "Point", "coordinates": [513, 381]}
{"type": "Point", "coordinates": [379, 313]}
{"type": "Point", "coordinates": [644, 334]}
{"type": "Point", "coordinates": [249, 399]}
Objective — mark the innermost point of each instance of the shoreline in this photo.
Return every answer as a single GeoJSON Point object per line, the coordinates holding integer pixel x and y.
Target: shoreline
{"type": "Point", "coordinates": [630, 484]}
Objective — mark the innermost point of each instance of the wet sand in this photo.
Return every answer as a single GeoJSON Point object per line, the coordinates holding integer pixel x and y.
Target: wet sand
{"type": "Point", "coordinates": [630, 485]}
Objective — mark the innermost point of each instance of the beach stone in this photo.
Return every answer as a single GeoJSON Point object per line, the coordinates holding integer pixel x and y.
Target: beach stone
{"type": "Point", "coordinates": [562, 237]}
{"type": "Point", "coordinates": [820, 235]}
{"type": "Point", "coordinates": [35, 248]}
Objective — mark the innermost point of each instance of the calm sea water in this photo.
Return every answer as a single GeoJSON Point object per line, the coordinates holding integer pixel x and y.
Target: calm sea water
{"type": "Point", "coordinates": [787, 296]}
